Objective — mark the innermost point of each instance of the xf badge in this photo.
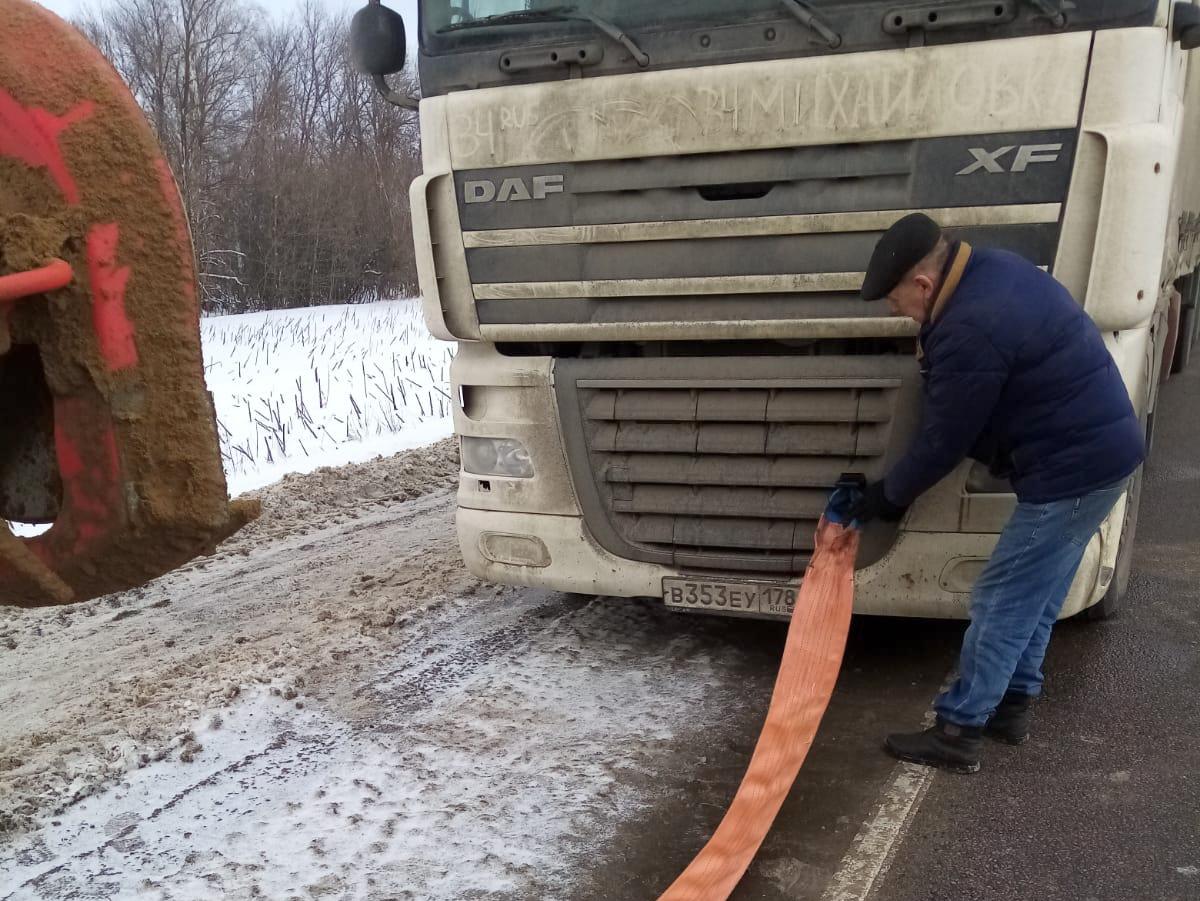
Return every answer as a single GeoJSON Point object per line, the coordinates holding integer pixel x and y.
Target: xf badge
{"type": "Point", "coordinates": [992, 161]}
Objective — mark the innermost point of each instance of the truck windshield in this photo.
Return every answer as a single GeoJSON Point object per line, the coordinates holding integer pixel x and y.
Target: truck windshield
{"type": "Point", "coordinates": [446, 18]}
{"type": "Point", "coordinates": [453, 26]}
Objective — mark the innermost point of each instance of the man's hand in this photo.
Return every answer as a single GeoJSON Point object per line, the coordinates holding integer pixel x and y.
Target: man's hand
{"type": "Point", "coordinates": [873, 504]}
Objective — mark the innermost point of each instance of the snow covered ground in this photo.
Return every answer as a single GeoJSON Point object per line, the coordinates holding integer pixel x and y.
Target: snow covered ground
{"type": "Point", "coordinates": [332, 708]}
{"type": "Point", "coordinates": [323, 386]}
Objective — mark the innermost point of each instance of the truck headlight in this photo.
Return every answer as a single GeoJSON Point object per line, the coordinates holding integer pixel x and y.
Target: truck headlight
{"type": "Point", "coordinates": [496, 457]}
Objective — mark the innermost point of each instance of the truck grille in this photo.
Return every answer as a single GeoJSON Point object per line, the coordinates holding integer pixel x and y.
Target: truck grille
{"type": "Point", "coordinates": [728, 474]}
{"type": "Point", "coordinates": [747, 236]}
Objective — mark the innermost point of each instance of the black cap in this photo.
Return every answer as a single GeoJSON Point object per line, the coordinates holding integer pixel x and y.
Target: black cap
{"type": "Point", "coordinates": [902, 246]}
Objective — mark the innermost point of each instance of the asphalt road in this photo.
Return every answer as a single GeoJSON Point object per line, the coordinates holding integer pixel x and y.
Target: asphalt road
{"type": "Point", "coordinates": [890, 670]}
{"type": "Point", "coordinates": [1102, 803]}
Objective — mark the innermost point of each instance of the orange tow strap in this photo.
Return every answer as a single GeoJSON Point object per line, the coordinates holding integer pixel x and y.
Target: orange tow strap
{"type": "Point", "coordinates": [812, 656]}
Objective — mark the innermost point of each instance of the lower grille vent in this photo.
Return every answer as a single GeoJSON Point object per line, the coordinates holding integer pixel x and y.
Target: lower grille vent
{"type": "Point", "coordinates": [728, 474]}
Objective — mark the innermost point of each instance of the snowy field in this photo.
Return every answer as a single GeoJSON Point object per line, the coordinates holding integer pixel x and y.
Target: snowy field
{"type": "Point", "coordinates": [323, 386]}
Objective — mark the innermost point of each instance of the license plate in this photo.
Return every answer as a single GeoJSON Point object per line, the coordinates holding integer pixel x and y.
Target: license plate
{"type": "Point", "coordinates": [714, 596]}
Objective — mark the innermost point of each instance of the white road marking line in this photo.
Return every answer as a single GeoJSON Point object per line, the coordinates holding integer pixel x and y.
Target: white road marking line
{"type": "Point", "coordinates": [875, 845]}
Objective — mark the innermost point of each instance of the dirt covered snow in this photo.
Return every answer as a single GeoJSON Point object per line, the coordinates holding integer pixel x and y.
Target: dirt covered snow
{"type": "Point", "coordinates": [94, 689]}
{"type": "Point", "coordinates": [331, 707]}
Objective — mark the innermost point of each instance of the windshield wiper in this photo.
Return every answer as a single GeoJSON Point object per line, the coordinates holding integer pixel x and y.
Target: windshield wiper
{"type": "Point", "coordinates": [1054, 10]}
{"type": "Point", "coordinates": [513, 18]}
{"type": "Point", "coordinates": [556, 14]}
{"type": "Point", "coordinates": [809, 18]}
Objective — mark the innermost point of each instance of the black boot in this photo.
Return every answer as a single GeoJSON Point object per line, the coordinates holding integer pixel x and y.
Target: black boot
{"type": "Point", "coordinates": [1010, 722]}
{"type": "Point", "coordinates": [946, 745]}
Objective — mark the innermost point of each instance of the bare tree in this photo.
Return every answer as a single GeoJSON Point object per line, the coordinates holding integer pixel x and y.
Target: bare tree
{"type": "Point", "coordinates": [293, 170]}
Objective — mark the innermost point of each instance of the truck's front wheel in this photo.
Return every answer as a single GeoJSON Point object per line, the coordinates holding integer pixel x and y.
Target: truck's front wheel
{"type": "Point", "coordinates": [1188, 314]}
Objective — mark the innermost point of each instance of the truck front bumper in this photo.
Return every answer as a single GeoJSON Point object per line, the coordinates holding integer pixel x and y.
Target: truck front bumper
{"type": "Point", "coordinates": [531, 531]}
{"type": "Point", "coordinates": [926, 574]}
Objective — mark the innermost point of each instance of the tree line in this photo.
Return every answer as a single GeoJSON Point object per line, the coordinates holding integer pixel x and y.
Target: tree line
{"type": "Point", "coordinates": [293, 170]}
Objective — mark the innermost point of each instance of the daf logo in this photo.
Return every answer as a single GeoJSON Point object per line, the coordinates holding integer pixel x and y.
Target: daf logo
{"type": "Point", "coordinates": [991, 160]}
{"type": "Point", "coordinates": [485, 191]}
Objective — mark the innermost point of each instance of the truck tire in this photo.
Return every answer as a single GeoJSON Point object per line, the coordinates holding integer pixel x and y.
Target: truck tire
{"type": "Point", "coordinates": [1114, 598]}
{"type": "Point", "coordinates": [1189, 290]}
{"type": "Point", "coordinates": [1187, 337]}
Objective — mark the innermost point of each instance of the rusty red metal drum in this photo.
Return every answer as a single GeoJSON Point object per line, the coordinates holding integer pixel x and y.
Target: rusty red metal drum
{"type": "Point", "coordinates": [129, 468]}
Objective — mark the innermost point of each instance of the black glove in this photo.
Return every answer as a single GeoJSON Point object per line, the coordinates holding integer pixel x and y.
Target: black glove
{"type": "Point", "coordinates": [1001, 466]}
{"type": "Point", "coordinates": [873, 504]}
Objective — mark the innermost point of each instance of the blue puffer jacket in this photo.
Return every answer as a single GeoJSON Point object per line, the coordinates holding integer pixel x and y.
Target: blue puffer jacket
{"type": "Point", "coordinates": [1014, 370]}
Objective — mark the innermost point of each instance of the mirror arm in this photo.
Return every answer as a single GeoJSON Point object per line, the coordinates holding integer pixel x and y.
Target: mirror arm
{"type": "Point", "coordinates": [1185, 25]}
{"type": "Point", "coordinates": [392, 96]}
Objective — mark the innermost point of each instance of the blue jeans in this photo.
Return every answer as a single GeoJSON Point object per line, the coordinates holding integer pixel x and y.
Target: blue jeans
{"type": "Point", "coordinates": [1016, 602]}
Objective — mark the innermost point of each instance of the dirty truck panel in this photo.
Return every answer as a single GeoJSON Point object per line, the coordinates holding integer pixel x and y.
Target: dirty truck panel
{"type": "Point", "coordinates": [652, 274]}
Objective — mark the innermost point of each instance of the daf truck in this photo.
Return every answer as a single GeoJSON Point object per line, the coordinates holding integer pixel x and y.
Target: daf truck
{"type": "Point", "coordinates": [645, 225]}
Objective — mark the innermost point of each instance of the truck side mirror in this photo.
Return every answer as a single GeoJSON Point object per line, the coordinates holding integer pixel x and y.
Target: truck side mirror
{"type": "Point", "coordinates": [377, 40]}
{"type": "Point", "coordinates": [1185, 26]}
{"type": "Point", "coordinates": [377, 46]}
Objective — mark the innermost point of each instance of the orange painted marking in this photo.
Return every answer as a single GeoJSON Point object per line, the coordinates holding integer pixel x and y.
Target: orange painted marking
{"type": "Point", "coordinates": [30, 134]}
{"type": "Point", "coordinates": [89, 464]}
{"type": "Point", "coordinates": [114, 331]}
